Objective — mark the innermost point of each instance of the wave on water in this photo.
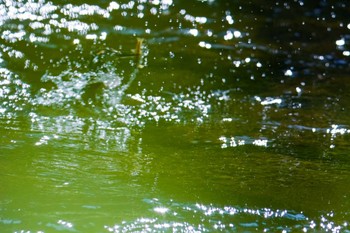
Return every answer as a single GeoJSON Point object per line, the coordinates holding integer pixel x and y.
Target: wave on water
{"type": "Point", "coordinates": [209, 218]}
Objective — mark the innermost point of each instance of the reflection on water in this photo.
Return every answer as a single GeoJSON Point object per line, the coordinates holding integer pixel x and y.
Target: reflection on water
{"type": "Point", "coordinates": [225, 218]}
{"type": "Point", "coordinates": [236, 112]}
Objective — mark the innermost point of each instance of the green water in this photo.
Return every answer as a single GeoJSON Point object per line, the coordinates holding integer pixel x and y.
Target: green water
{"type": "Point", "coordinates": [234, 118]}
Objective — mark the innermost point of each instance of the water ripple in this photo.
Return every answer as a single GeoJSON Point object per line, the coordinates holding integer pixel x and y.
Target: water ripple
{"type": "Point", "coordinates": [228, 219]}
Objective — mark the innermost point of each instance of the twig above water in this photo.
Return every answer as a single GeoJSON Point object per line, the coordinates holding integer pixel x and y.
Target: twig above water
{"type": "Point", "coordinates": [134, 52]}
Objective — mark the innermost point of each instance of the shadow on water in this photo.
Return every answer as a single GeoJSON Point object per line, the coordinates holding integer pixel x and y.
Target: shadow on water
{"type": "Point", "coordinates": [233, 118]}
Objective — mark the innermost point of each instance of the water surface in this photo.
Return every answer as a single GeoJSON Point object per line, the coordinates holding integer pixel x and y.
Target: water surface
{"type": "Point", "coordinates": [234, 118]}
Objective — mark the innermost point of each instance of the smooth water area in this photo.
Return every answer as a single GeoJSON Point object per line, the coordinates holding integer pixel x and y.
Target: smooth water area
{"type": "Point", "coordinates": [230, 116]}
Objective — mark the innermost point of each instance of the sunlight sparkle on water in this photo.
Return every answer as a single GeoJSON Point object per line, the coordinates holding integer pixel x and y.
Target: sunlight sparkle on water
{"type": "Point", "coordinates": [204, 45]}
{"type": "Point", "coordinates": [193, 32]}
{"type": "Point", "coordinates": [230, 142]}
{"type": "Point", "coordinates": [232, 34]}
{"type": "Point", "coordinates": [211, 219]}
{"type": "Point", "coordinates": [298, 90]}
{"type": "Point", "coordinates": [288, 73]}
{"type": "Point", "coordinates": [271, 100]}
{"type": "Point", "coordinates": [228, 36]}
{"type": "Point", "coordinates": [201, 20]}
{"type": "Point", "coordinates": [340, 42]}
{"type": "Point", "coordinates": [65, 223]}
{"type": "Point", "coordinates": [161, 210]}
{"type": "Point", "coordinates": [229, 19]}
{"type": "Point", "coordinates": [260, 143]}
{"type": "Point", "coordinates": [91, 37]}
{"type": "Point", "coordinates": [113, 6]}
{"type": "Point", "coordinates": [76, 41]}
